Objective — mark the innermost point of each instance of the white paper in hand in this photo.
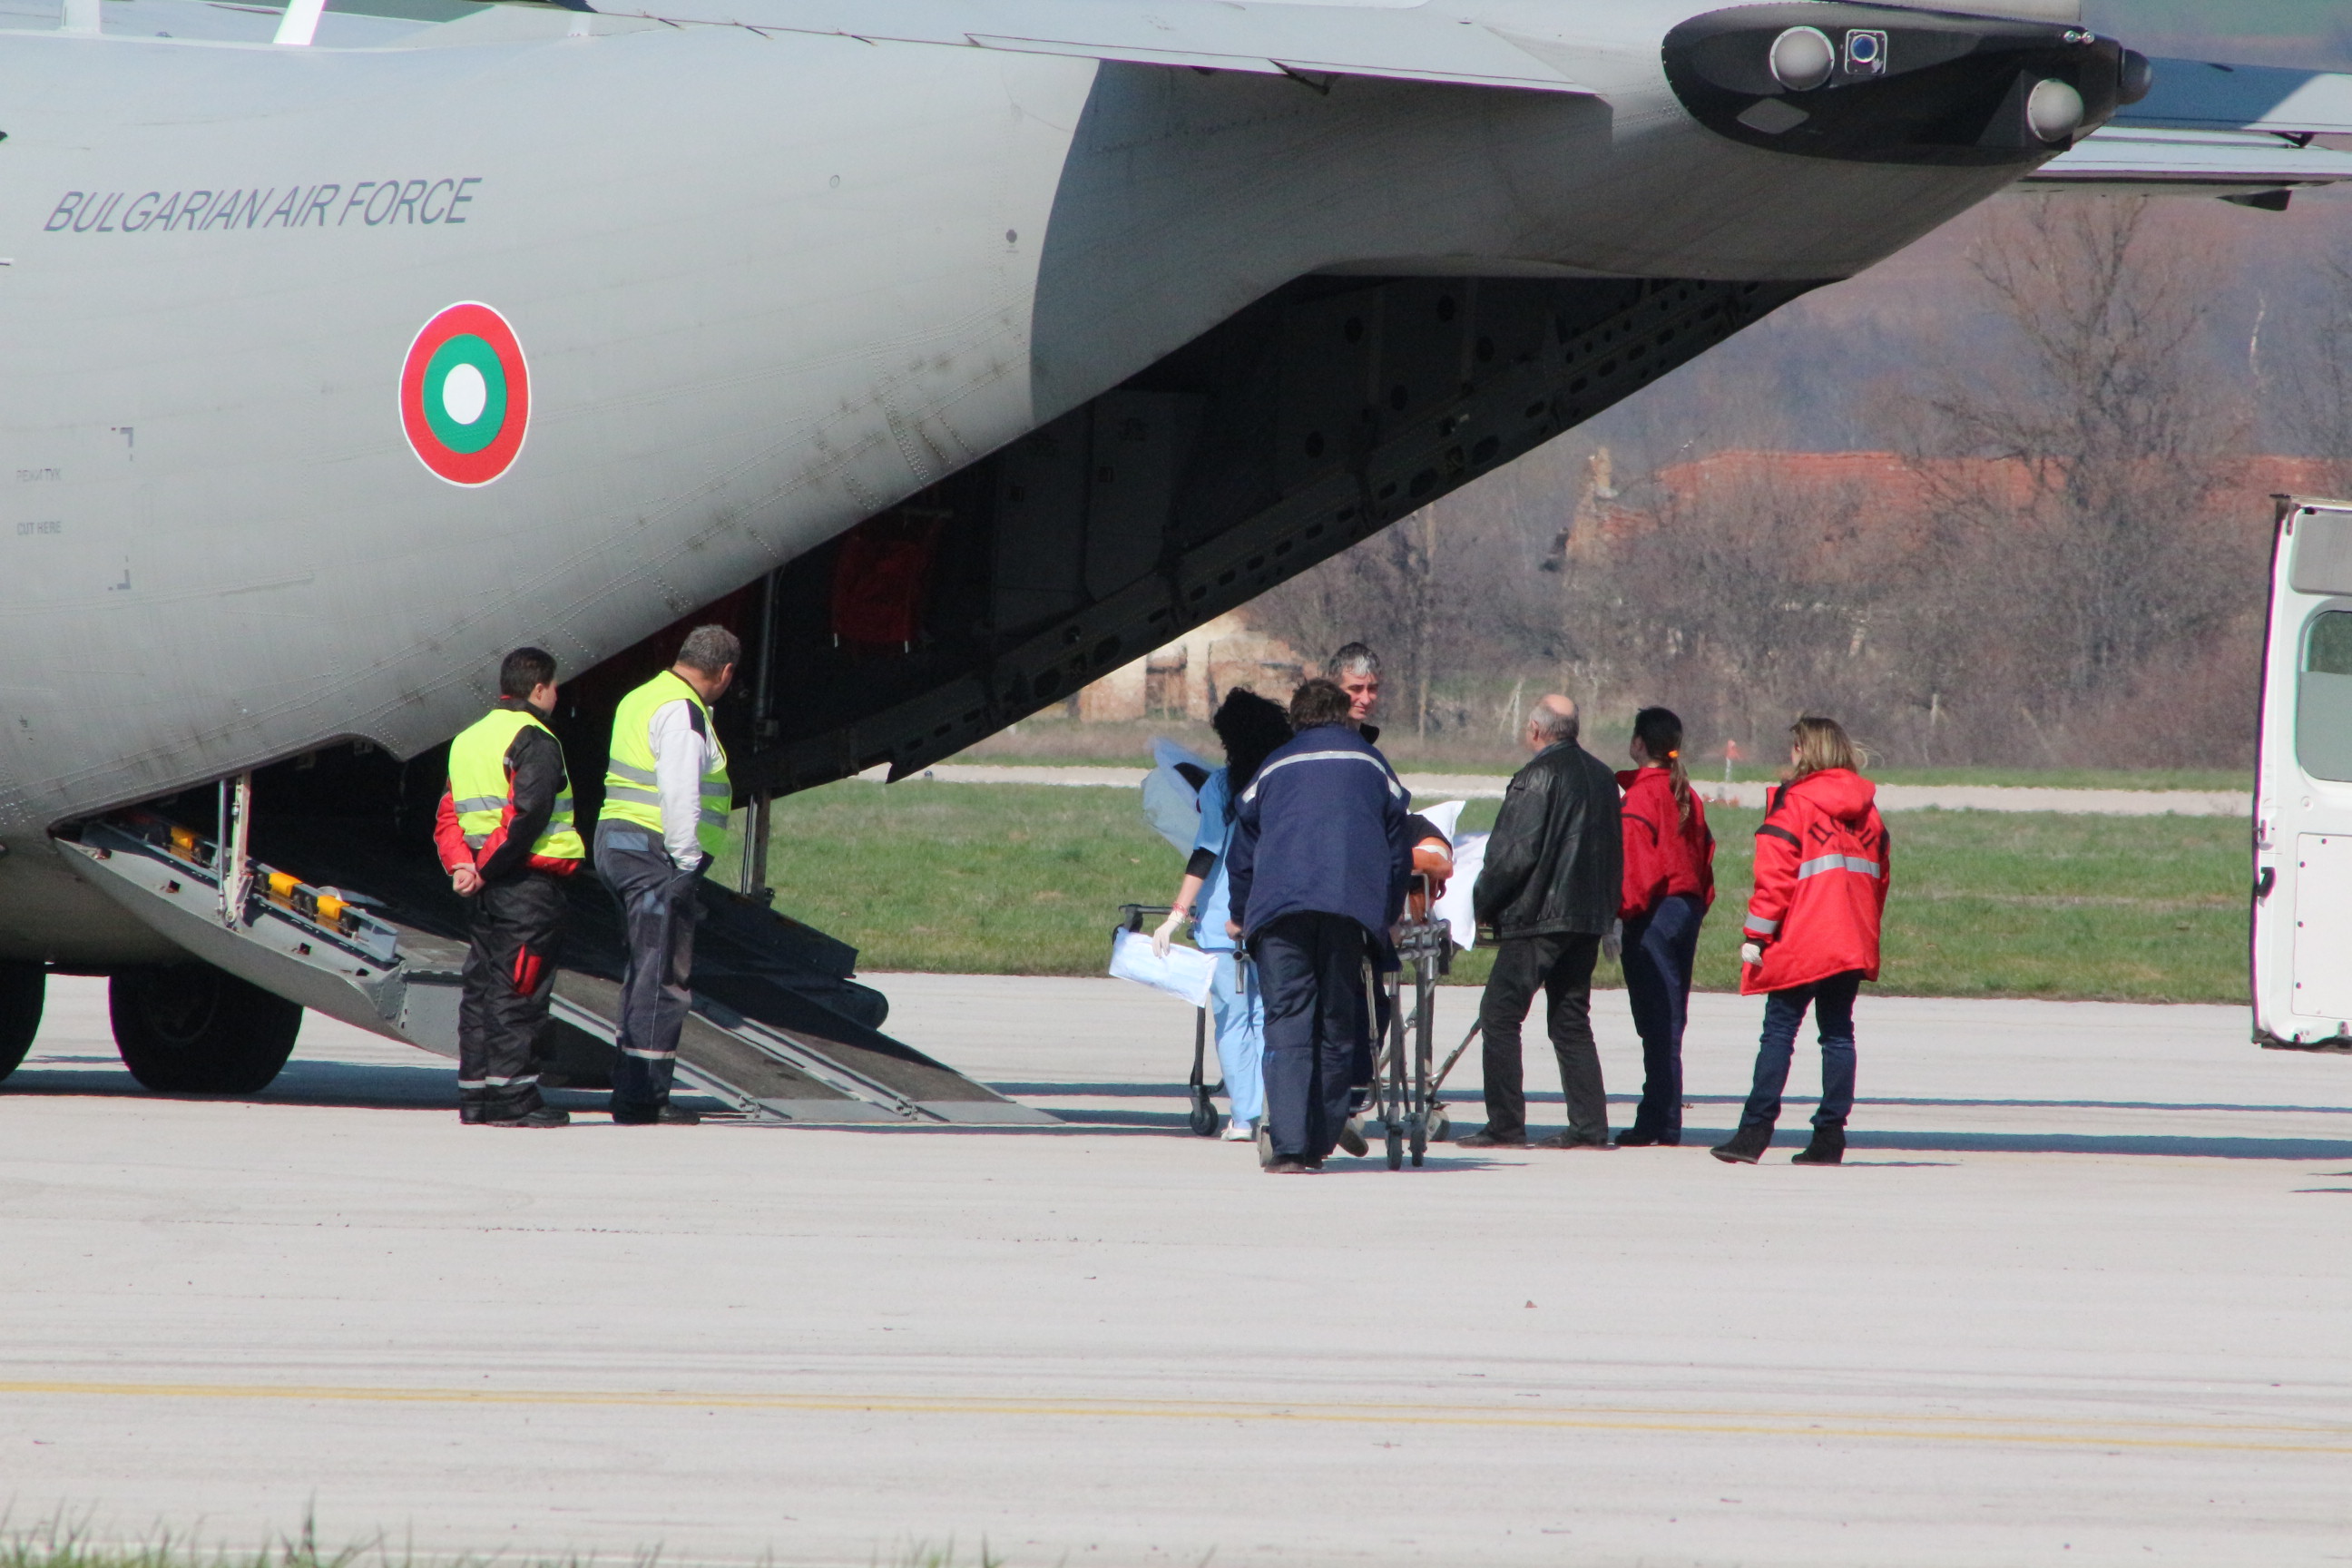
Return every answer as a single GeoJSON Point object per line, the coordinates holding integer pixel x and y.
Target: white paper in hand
{"type": "Point", "coordinates": [1186, 972]}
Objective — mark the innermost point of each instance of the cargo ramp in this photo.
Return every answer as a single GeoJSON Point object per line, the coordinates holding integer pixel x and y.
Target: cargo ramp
{"type": "Point", "coordinates": [779, 1028]}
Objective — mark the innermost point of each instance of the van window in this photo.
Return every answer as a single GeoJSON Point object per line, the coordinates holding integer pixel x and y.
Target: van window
{"type": "Point", "coordinates": [2323, 705]}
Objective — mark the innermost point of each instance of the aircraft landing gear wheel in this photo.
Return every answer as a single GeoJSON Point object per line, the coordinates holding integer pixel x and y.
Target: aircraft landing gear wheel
{"type": "Point", "coordinates": [22, 988]}
{"type": "Point", "coordinates": [194, 1029]}
{"type": "Point", "coordinates": [1205, 1115]}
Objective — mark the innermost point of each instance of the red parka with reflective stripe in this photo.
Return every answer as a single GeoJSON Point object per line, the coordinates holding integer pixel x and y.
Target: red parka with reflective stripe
{"type": "Point", "coordinates": [1822, 867]}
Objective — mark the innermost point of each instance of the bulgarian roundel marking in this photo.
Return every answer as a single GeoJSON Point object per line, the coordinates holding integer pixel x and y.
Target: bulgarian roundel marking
{"type": "Point", "coordinates": [465, 395]}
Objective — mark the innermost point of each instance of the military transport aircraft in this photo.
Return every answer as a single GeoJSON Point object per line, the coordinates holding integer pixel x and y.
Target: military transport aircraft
{"type": "Point", "coordinates": [956, 351]}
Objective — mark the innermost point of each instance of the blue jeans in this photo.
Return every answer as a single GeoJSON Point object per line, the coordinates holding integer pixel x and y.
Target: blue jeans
{"type": "Point", "coordinates": [660, 909]}
{"type": "Point", "coordinates": [1832, 1004]}
{"type": "Point", "coordinates": [1660, 949]}
{"type": "Point", "coordinates": [1240, 1018]}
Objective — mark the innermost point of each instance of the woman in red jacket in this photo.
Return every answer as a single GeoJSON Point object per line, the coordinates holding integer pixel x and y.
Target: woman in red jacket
{"type": "Point", "coordinates": [1669, 887]}
{"type": "Point", "coordinates": [1821, 874]}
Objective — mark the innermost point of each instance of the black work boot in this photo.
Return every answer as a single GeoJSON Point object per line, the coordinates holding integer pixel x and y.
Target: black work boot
{"type": "Point", "coordinates": [663, 1115]}
{"type": "Point", "coordinates": [1827, 1148]}
{"type": "Point", "coordinates": [541, 1116]}
{"type": "Point", "coordinates": [1747, 1146]}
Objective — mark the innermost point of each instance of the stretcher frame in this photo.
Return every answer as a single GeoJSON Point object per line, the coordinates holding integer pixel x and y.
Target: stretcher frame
{"type": "Point", "coordinates": [1404, 1093]}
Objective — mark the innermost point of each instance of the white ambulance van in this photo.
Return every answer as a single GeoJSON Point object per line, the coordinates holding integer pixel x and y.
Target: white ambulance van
{"type": "Point", "coordinates": [2303, 786]}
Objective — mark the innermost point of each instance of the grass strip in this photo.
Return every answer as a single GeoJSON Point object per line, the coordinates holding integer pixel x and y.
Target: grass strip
{"type": "Point", "coordinates": [1026, 879]}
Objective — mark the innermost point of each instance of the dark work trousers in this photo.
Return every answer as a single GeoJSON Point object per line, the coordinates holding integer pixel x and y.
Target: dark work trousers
{"type": "Point", "coordinates": [509, 983]}
{"type": "Point", "coordinates": [1660, 948]}
{"type": "Point", "coordinates": [658, 903]}
{"type": "Point", "coordinates": [1784, 1012]}
{"type": "Point", "coordinates": [1311, 970]}
{"type": "Point", "coordinates": [1561, 967]}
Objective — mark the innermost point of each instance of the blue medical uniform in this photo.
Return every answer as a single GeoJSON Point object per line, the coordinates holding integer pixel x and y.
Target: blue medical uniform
{"type": "Point", "coordinates": [1233, 1001]}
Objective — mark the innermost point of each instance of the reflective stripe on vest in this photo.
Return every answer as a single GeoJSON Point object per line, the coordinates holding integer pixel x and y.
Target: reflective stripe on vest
{"type": "Point", "coordinates": [479, 784]}
{"type": "Point", "coordinates": [1821, 863]}
{"type": "Point", "coordinates": [632, 788]}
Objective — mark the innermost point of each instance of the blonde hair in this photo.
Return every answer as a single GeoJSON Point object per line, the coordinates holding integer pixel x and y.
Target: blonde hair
{"type": "Point", "coordinates": [1822, 744]}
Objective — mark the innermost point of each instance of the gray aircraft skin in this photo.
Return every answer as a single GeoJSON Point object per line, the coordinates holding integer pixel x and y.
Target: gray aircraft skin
{"type": "Point", "coordinates": [771, 268]}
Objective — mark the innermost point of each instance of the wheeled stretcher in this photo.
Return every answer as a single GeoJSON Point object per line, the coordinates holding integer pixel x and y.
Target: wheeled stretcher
{"type": "Point", "coordinates": [1404, 1088]}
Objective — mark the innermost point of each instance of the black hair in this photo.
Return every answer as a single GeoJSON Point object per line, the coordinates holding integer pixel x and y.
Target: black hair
{"type": "Point", "coordinates": [1250, 727]}
{"type": "Point", "coordinates": [1661, 734]}
{"type": "Point", "coordinates": [524, 671]}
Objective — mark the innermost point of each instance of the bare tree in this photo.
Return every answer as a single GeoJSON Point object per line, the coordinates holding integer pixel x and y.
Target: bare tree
{"type": "Point", "coordinates": [2080, 548]}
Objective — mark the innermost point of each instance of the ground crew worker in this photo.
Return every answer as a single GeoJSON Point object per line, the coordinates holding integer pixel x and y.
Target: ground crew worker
{"type": "Point", "coordinates": [667, 797]}
{"type": "Point", "coordinates": [505, 835]}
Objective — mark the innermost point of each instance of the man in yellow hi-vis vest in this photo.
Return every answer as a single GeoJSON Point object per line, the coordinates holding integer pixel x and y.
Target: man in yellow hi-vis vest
{"type": "Point", "coordinates": [666, 797]}
{"type": "Point", "coordinates": [506, 838]}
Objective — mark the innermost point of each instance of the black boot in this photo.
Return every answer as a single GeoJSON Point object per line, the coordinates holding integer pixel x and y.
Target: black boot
{"type": "Point", "coordinates": [1747, 1146]}
{"type": "Point", "coordinates": [1827, 1148]}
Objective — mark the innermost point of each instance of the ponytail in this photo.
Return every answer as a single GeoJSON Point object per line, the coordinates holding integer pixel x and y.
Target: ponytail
{"type": "Point", "coordinates": [1661, 734]}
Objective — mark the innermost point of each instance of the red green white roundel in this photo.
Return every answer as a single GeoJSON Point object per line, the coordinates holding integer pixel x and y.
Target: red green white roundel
{"type": "Point", "coordinates": [465, 395]}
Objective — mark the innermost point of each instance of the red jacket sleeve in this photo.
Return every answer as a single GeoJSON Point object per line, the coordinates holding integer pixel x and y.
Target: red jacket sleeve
{"type": "Point", "coordinates": [447, 841]}
{"type": "Point", "coordinates": [1777, 851]}
{"type": "Point", "coordinates": [1647, 861]}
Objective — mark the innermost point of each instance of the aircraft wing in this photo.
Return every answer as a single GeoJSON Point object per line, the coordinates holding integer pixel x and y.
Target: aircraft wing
{"type": "Point", "coordinates": [2195, 95]}
{"type": "Point", "coordinates": [2245, 132]}
{"type": "Point", "coordinates": [1409, 42]}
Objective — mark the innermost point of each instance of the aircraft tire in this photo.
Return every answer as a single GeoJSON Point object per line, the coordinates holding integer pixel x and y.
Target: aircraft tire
{"type": "Point", "coordinates": [190, 1028]}
{"type": "Point", "coordinates": [22, 988]}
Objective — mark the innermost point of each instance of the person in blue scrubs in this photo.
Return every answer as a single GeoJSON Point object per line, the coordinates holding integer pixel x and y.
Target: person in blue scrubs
{"type": "Point", "coordinates": [1250, 727]}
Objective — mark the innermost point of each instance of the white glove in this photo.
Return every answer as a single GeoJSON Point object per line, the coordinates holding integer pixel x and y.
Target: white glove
{"type": "Point", "coordinates": [1751, 953]}
{"type": "Point", "coordinates": [1165, 937]}
{"type": "Point", "coordinates": [1612, 945]}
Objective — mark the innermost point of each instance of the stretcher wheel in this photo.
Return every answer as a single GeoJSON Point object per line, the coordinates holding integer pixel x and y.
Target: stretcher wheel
{"type": "Point", "coordinates": [1440, 1126]}
{"type": "Point", "coordinates": [1205, 1115]}
{"type": "Point", "coordinates": [1396, 1147]}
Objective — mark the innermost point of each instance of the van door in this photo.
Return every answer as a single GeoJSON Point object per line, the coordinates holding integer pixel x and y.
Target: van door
{"type": "Point", "coordinates": [2303, 786]}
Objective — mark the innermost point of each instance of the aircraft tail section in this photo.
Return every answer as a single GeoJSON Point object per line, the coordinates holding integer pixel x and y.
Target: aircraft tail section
{"type": "Point", "coordinates": [779, 1029]}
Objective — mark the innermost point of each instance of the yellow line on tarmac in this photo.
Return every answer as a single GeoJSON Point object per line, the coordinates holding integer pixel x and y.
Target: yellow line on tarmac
{"type": "Point", "coordinates": [2280, 1439]}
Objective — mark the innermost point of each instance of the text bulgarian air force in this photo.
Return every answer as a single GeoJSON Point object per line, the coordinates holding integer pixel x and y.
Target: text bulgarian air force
{"type": "Point", "coordinates": [373, 203]}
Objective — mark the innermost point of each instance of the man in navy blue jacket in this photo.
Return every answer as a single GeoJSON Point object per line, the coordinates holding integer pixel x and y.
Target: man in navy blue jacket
{"type": "Point", "coordinates": [1316, 875]}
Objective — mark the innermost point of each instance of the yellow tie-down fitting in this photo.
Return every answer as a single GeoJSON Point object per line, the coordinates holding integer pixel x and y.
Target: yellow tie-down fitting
{"type": "Point", "coordinates": [311, 904]}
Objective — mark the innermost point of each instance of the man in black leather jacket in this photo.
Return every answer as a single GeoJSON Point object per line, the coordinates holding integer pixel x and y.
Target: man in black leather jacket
{"type": "Point", "coordinates": [1549, 891]}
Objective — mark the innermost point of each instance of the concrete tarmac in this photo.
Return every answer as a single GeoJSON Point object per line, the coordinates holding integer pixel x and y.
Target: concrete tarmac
{"type": "Point", "coordinates": [2081, 1295]}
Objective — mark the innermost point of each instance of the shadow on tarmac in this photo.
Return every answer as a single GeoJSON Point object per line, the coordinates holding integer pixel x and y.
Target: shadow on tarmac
{"type": "Point", "coordinates": [1126, 1090]}
{"type": "Point", "coordinates": [431, 1087]}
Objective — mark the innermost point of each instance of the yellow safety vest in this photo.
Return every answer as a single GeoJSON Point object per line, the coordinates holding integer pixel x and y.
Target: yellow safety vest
{"type": "Point", "coordinates": [633, 793]}
{"type": "Point", "coordinates": [480, 787]}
